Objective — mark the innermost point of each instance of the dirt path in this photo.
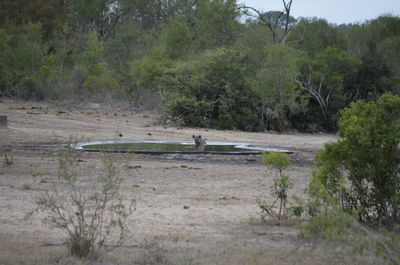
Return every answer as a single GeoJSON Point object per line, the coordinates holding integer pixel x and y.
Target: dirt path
{"type": "Point", "coordinates": [191, 211]}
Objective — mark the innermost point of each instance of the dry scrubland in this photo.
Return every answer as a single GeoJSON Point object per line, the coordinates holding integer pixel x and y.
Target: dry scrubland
{"type": "Point", "coordinates": [189, 210]}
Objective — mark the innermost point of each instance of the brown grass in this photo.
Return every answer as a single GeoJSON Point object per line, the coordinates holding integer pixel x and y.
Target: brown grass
{"type": "Point", "coordinates": [217, 226]}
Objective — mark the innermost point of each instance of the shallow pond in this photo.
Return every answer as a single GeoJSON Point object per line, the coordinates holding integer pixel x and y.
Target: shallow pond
{"type": "Point", "coordinates": [174, 147]}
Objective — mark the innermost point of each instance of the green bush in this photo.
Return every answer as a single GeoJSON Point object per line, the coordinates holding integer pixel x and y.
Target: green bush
{"type": "Point", "coordinates": [189, 111]}
{"type": "Point", "coordinates": [216, 87]}
{"type": "Point", "coordinates": [342, 234]}
{"type": "Point", "coordinates": [276, 163]}
{"type": "Point", "coordinates": [361, 170]}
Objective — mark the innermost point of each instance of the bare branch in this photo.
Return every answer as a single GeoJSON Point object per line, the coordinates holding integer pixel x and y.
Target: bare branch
{"type": "Point", "coordinates": [287, 6]}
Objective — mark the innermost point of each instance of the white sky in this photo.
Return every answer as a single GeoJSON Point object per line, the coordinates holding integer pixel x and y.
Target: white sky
{"type": "Point", "coordinates": [334, 11]}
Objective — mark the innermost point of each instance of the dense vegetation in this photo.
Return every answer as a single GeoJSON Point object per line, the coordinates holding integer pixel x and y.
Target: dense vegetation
{"type": "Point", "coordinates": [367, 155]}
{"type": "Point", "coordinates": [354, 196]}
{"type": "Point", "coordinates": [211, 63]}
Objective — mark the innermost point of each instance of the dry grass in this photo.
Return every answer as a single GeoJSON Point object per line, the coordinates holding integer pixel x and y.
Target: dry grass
{"type": "Point", "coordinates": [221, 226]}
{"type": "Point", "coordinates": [220, 194]}
{"type": "Point", "coordinates": [17, 253]}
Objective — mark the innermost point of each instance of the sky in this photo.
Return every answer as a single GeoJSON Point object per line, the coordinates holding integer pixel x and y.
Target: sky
{"type": "Point", "coordinates": [334, 11]}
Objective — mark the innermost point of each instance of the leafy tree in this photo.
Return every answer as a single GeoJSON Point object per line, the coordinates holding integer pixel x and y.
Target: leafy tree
{"type": "Point", "coordinates": [147, 73]}
{"type": "Point", "coordinates": [280, 95]}
{"type": "Point", "coordinates": [21, 59]}
{"type": "Point", "coordinates": [129, 44]}
{"type": "Point", "coordinates": [372, 77]}
{"type": "Point", "coordinates": [252, 38]}
{"type": "Point", "coordinates": [325, 77]}
{"type": "Point", "coordinates": [162, 47]}
{"type": "Point", "coordinates": [151, 14]}
{"type": "Point", "coordinates": [192, 112]}
{"type": "Point", "coordinates": [385, 27]}
{"type": "Point", "coordinates": [99, 77]}
{"type": "Point", "coordinates": [215, 23]}
{"type": "Point", "coordinates": [176, 37]}
{"type": "Point", "coordinates": [101, 15]}
{"type": "Point", "coordinates": [50, 13]}
{"type": "Point", "coordinates": [218, 82]}
{"type": "Point", "coordinates": [5, 73]}
{"type": "Point", "coordinates": [315, 35]}
{"type": "Point", "coordinates": [367, 155]}
{"type": "Point", "coordinates": [386, 37]}
{"type": "Point", "coordinates": [375, 44]}
{"type": "Point", "coordinates": [391, 61]}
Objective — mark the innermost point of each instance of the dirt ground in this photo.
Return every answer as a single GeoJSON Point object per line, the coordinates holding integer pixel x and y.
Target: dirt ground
{"type": "Point", "coordinates": [189, 210]}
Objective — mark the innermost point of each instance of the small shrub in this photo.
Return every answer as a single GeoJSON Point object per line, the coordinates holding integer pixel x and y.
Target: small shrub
{"type": "Point", "coordinates": [298, 207]}
{"type": "Point", "coordinates": [333, 226]}
{"type": "Point", "coordinates": [37, 174]}
{"type": "Point", "coordinates": [89, 209]}
{"type": "Point", "coordinates": [26, 187]}
{"type": "Point", "coordinates": [342, 233]}
{"type": "Point", "coordinates": [276, 163]}
{"type": "Point", "coordinates": [8, 160]}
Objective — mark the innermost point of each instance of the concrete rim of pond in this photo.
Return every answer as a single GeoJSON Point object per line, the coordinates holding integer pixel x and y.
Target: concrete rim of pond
{"type": "Point", "coordinates": [251, 149]}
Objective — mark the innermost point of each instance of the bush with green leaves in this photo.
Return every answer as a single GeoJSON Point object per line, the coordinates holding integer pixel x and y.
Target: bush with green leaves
{"type": "Point", "coordinates": [98, 75]}
{"type": "Point", "coordinates": [90, 209]}
{"type": "Point", "coordinates": [218, 88]}
{"type": "Point", "coordinates": [341, 233]}
{"type": "Point", "coordinates": [343, 236]}
{"type": "Point", "coordinates": [276, 163]}
{"type": "Point", "coordinates": [279, 95]}
{"type": "Point", "coordinates": [362, 169]}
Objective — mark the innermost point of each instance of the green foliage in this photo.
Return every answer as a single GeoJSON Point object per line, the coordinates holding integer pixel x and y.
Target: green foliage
{"type": "Point", "coordinates": [215, 23]}
{"type": "Point", "coordinates": [177, 38]}
{"type": "Point", "coordinates": [389, 79]}
{"type": "Point", "coordinates": [280, 96]}
{"type": "Point", "coordinates": [380, 62]}
{"type": "Point", "coordinates": [276, 160]}
{"type": "Point", "coordinates": [21, 59]}
{"type": "Point", "coordinates": [37, 174]}
{"type": "Point", "coordinates": [132, 49]}
{"type": "Point", "coordinates": [189, 111]}
{"type": "Point", "coordinates": [372, 76]}
{"type": "Point", "coordinates": [50, 13]}
{"type": "Point", "coordinates": [26, 187]}
{"type": "Point", "coordinates": [99, 77]}
{"type": "Point", "coordinates": [326, 77]}
{"type": "Point", "coordinates": [89, 209]}
{"type": "Point", "coordinates": [92, 55]}
{"type": "Point", "coordinates": [368, 155]}
{"type": "Point", "coordinates": [86, 15]}
{"type": "Point", "coordinates": [333, 226]}
{"type": "Point", "coordinates": [276, 163]}
{"type": "Point", "coordinates": [147, 72]}
{"type": "Point", "coordinates": [338, 228]}
{"type": "Point", "coordinates": [315, 35]}
{"type": "Point", "coordinates": [218, 82]}
{"type": "Point", "coordinates": [151, 14]}
{"type": "Point", "coordinates": [30, 68]}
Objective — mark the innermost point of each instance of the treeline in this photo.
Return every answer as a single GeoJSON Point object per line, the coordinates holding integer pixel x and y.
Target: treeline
{"type": "Point", "coordinates": [207, 63]}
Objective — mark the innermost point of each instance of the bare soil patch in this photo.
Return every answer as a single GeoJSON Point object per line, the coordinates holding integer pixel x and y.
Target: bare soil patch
{"type": "Point", "coordinates": [189, 210]}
